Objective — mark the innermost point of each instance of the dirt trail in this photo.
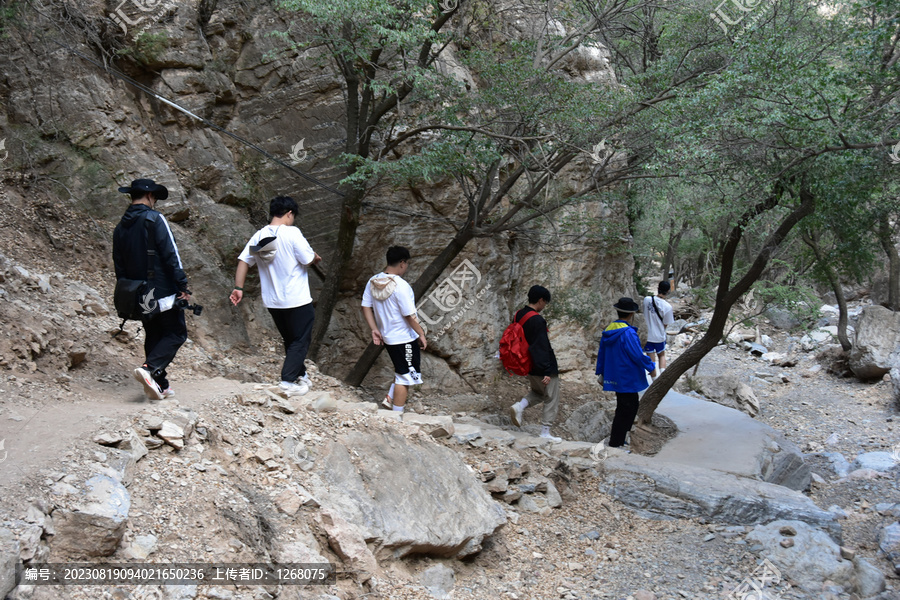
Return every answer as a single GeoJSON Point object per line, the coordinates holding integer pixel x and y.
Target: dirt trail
{"type": "Point", "coordinates": [39, 424]}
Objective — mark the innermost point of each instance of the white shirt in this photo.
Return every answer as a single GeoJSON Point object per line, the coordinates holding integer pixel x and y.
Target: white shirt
{"type": "Point", "coordinates": [656, 328]}
{"type": "Point", "coordinates": [389, 313]}
{"type": "Point", "coordinates": [284, 280]}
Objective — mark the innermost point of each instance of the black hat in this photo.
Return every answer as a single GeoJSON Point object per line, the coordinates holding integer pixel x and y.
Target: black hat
{"type": "Point", "coordinates": [626, 305]}
{"type": "Point", "coordinates": [147, 185]}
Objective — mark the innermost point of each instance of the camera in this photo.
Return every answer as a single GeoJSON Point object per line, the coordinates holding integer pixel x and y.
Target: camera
{"type": "Point", "coordinates": [182, 304]}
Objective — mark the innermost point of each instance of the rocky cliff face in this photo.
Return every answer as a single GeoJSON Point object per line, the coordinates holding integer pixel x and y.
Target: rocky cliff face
{"type": "Point", "coordinates": [74, 133]}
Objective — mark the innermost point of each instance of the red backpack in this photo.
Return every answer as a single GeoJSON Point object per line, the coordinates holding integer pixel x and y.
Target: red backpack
{"type": "Point", "coordinates": [514, 348]}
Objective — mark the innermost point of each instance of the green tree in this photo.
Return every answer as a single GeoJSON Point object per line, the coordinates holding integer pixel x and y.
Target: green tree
{"type": "Point", "coordinates": [774, 134]}
{"type": "Point", "coordinates": [523, 118]}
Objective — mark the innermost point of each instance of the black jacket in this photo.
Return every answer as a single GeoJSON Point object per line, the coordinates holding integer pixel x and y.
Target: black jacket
{"type": "Point", "coordinates": [130, 240]}
{"type": "Point", "coordinates": [543, 360]}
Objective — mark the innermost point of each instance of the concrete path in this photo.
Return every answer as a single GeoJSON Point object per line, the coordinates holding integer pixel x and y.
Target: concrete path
{"type": "Point", "coordinates": [713, 436]}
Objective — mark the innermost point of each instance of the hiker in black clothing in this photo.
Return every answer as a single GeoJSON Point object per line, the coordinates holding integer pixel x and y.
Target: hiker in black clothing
{"type": "Point", "coordinates": [144, 248]}
{"type": "Point", "coordinates": [544, 375]}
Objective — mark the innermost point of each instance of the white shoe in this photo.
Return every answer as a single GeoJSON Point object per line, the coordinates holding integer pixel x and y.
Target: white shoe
{"type": "Point", "coordinates": [545, 434]}
{"type": "Point", "coordinates": [516, 414]}
{"type": "Point", "coordinates": [168, 393]}
{"type": "Point", "coordinates": [151, 388]}
{"type": "Point", "coordinates": [388, 403]}
{"type": "Point", "coordinates": [305, 379]}
{"type": "Point", "coordinates": [294, 389]}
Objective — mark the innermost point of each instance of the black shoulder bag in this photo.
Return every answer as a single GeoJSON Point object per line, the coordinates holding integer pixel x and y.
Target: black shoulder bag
{"type": "Point", "coordinates": [133, 298]}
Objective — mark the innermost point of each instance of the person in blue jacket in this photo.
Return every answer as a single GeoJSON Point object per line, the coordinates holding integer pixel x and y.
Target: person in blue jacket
{"type": "Point", "coordinates": [622, 368]}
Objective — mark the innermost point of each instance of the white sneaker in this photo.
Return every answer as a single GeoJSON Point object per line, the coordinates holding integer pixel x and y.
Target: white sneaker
{"type": "Point", "coordinates": [388, 403]}
{"type": "Point", "coordinates": [545, 435]}
{"type": "Point", "coordinates": [151, 388]}
{"type": "Point", "coordinates": [168, 393]}
{"type": "Point", "coordinates": [305, 379]}
{"type": "Point", "coordinates": [294, 389]}
{"type": "Point", "coordinates": [516, 414]}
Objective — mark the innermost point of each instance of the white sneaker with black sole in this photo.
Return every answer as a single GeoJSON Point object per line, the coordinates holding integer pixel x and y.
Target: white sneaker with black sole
{"type": "Point", "coordinates": [151, 388]}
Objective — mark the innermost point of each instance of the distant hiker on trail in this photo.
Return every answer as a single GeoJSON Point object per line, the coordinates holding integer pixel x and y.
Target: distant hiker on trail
{"type": "Point", "coordinates": [389, 307]}
{"type": "Point", "coordinates": [283, 257]}
{"type": "Point", "coordinates": [622, 368]}
{"type": "Point", "coordinates": [544, 375]}
{"type": "Point", "coordinates": [144, 249]}
{"type": "Point", "coordinates": [658, 314]}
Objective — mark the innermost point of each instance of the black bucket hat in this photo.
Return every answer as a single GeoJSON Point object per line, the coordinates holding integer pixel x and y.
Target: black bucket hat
{"type": "Point", "coordinates": [626, 305]}
{"type": "Point", "coordinates": [147, 185]}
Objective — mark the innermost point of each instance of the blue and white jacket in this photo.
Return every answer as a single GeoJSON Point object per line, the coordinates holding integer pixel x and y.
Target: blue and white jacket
{"type": "Point", "coordinates": [620, 360]}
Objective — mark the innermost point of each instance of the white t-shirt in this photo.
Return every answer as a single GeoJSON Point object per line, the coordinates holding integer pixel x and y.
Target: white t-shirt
{"type": "Point", "coordinates": [284, 280]}
{"type": "Point", "coordinates": [656, 329]}
{"type": "Point", "coordinates": [389, 313]}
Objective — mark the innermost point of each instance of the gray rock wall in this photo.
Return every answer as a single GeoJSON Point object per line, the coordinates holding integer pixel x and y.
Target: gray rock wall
{"type": "Point", "coordinates": [67, 120]}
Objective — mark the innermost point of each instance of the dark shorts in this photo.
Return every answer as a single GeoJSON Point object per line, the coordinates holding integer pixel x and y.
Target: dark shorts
{"type": "Point", "coordinates": [656, 347]}
{"type": "Point", "coordinates": [406, 359]}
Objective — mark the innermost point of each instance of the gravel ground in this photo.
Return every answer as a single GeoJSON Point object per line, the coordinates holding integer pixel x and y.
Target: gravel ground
{"type": "Point", "coordinates": [590, 548]}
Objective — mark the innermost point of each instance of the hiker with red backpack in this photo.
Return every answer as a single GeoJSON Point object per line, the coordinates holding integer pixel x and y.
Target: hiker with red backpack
{"type": "Point", "coordinates": [543, 375]}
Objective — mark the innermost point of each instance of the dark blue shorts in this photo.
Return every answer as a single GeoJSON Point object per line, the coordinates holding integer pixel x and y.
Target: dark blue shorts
{"type": "Point", "coordinates": [656, 347]}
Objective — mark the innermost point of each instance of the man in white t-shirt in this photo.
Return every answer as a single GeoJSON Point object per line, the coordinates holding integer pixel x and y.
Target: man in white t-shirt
{"type": "Point", "coordinates": [658, 314]}
{"type": "Point", "coordinates": [389, 306]}
{"type": "Point", "coordinates": [283, 257]}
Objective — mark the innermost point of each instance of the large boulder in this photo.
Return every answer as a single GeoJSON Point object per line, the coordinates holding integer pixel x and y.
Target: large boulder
{"type": "Point", "coordinates": [727, 390]}
{"type": "Point", "coordinates": [889, 543]}
{"type": "Point", "coordinates": [9, 556]}
{"type": "Point", "coordinates": [654, 487]}
{"type": "Point", "coordinates": [408, 497]}
{"type": "Point", "coordinates": [808, 557]}
{"type": "Point", "coordinates": [96, 525]}
{"type": "Point", "coordinates": [781, 318]}
{"type": "Point", "coordinates": [590, 422]}
{"type": "Point", "coordinates": [877, 346]}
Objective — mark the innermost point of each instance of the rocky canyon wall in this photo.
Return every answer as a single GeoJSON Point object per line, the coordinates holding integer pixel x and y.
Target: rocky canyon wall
{"type": "Point", "coordinates": [74, 133]}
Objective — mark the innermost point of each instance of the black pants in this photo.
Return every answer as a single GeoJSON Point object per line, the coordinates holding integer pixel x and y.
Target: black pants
{"type": "Point", "coordinates": [164, 335]}
{"type": "Point", "coordinates": [295, 326]}
{"type": "Point", "coordinates": [626, 411]}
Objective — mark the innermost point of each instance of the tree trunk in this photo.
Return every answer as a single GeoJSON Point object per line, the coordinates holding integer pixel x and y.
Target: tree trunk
{"type": "Point", "coordinates": [328, 296]}
{"type": "Point", "coordinates": [835, 283]}
{"type": "Point", "coordinates": [725, 297]}
{"type": "Point", "coordinates": [671, 250]}
{"type": "Point", "coordinates": [420, 286]}
{"type": "Point", "coordinates": [887, 244]}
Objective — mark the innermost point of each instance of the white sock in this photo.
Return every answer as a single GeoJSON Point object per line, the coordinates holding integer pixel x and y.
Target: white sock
{"type": "Point", "coordinates": [391, 392]}
{"type": "Point", "coordinates": [545, 430]}
{"type": "Point", "coordinates": [398, 409]}
{"type": "Point", "coordinates": [523, 403]}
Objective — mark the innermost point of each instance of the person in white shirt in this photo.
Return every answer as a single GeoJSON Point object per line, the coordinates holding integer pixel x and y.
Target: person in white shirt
{"type": "Point", "coordinates": [389, 307]}
{"type": "Point", "coordinates": [283, 257]}
{"type": "Point", "coordinates": [658, 314]}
